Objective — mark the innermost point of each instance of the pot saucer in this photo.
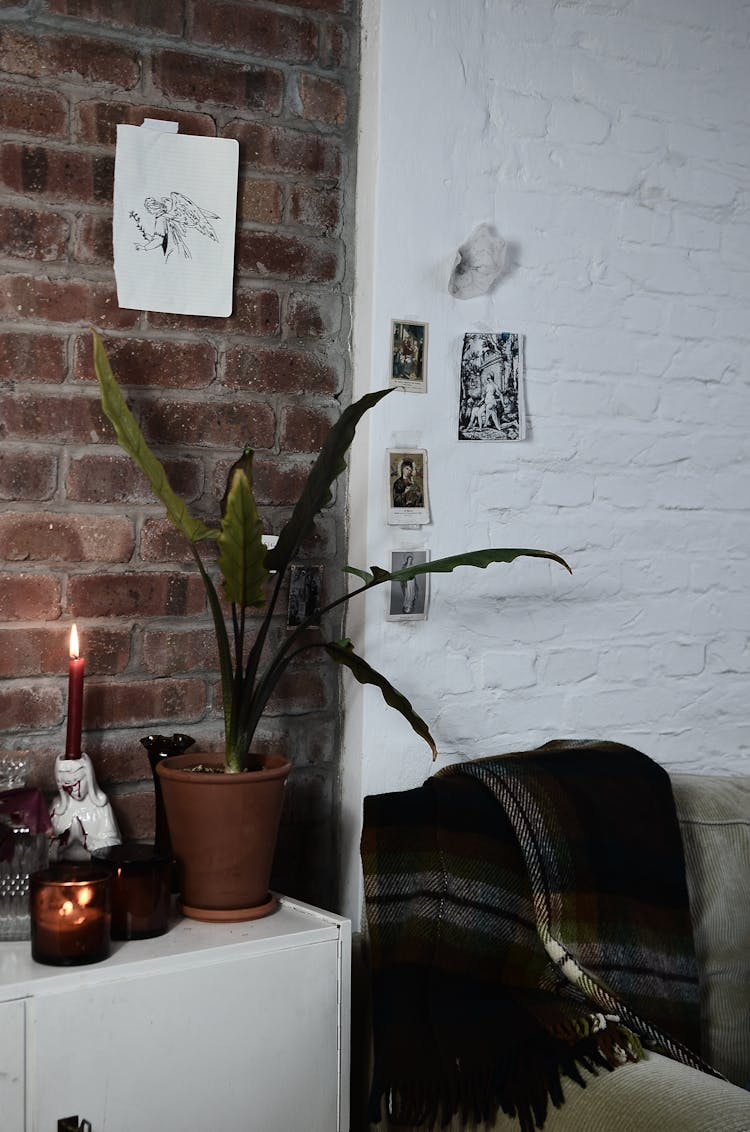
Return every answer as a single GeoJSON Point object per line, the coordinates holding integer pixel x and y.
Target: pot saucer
{"type": "Point", "coordinates": [230, 915]}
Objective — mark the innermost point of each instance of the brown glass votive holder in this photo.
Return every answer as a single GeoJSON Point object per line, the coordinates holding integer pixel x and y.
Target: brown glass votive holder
{"type": "Point", "coordinates": [141, 885]}
{"type": "Point", "coordinates": [70, 914]}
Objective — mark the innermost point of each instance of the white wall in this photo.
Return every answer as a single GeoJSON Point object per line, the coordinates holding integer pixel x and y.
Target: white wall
{"type": "Point", "coordinates": [610, 144]}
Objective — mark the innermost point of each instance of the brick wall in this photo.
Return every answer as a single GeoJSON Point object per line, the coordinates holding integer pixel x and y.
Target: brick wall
{"type": "Point", "coordinates": [80, 538]}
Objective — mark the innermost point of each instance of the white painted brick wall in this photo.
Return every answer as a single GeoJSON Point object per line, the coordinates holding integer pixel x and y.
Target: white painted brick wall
{"type": "Point", "coordinates": [612, 149]}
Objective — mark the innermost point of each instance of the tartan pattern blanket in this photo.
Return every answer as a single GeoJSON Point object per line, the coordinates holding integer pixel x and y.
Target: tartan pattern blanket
{"type": "Point", "coordinates": [528, 917]}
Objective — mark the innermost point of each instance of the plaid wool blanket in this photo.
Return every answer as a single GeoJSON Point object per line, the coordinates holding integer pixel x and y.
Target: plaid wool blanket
{"type": "Point", "coordinates": [528, 917]}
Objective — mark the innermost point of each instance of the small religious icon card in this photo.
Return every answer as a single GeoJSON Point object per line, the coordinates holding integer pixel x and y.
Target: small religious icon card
{"type": "Point", "coordinates": [305, 588]}
{"type": "Point", "coordinates": [408, 504]}
{"type": "Point", "coordinates": [491, 404]}
{"type": "Point", "coordinates": [408, 356]}
{"type": "Point", "coordinates": [408, 599]}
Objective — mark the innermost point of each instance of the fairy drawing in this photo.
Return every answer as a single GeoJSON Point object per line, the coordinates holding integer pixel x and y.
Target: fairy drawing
{"type": "Point", "coordinates": [174, 218]}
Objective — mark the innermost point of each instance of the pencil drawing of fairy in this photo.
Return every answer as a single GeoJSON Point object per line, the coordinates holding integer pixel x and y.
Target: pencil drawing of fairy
{"type": "Point", "coordinates": [174, 218]}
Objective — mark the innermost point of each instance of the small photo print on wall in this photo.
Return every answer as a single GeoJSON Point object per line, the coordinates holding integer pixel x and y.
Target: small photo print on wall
{"type": "Point", "coordinates": [408, 356]}
{"type": "Point", "coordinates": [491, 398]}
{"type": "Point", "coordinates": [408, 600]}
{"type": "Point", "coordinates": [305, 588]}
{"type": "Point", "coordinates": [407, 487]}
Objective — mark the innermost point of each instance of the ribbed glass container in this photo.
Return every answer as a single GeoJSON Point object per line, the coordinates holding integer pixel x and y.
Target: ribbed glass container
{"type": "Point", "coordinates": [30, 852]}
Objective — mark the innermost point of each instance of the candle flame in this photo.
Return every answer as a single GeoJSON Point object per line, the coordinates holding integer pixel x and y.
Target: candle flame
{"type": "Point", "coordinates": [74, 643]}
{"type": "Point", "coordinates": [66, 908]}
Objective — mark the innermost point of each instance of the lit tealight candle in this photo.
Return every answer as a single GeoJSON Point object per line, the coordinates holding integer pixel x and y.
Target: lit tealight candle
{"type": "Point", "coordinates": [75, 699]}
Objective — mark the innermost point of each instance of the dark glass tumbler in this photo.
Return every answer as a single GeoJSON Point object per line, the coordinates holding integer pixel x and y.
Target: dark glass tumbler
{"type": "Point", "coordinates": [141, 884]}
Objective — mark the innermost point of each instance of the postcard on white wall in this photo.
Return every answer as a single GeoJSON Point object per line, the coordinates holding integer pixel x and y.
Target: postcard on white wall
{"type": "Point", "coordinates": [408, 357]}
{"type": "Point", "coordinates": [491, 405]}
{"type": "Point", "coordinates": [175, 205]}
{"type": "Point", "coordinates": [408, 504]}
{"type": "Point", "coordinates": [408, 598]}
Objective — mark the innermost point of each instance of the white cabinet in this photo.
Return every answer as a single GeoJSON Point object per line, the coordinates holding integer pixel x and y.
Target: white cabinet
{"type": "Point", "coordinates": [12, 1062]}
{"type": "Point", "coordinates": [210, 1028]}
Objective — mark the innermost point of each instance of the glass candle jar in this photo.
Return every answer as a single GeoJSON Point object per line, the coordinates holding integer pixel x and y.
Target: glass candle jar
{"type": "Point", "coordinates": [140, 889]}
{"type": "Point", "coordinates": [13, 769]}
{"type": "Point", "coordinates": [24, 852]}
{"type": "Point", "coordinates": [70, 914]}
{"type": "Point", "coordinates": [24, 849]}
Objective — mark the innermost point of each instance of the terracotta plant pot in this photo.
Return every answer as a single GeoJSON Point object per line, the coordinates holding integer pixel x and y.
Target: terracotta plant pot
{"type": "Point", "coordinates": [223, 829]}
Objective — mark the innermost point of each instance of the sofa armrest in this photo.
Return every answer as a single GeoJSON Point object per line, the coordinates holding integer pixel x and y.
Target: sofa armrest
{"type": "Point", "coordinates": [714, 816]}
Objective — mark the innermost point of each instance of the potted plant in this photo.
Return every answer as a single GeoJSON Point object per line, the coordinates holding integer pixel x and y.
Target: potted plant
{"type": "Point", "coordinates": [251, 665]}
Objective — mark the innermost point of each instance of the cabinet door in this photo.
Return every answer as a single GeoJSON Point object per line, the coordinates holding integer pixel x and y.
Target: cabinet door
{"type": "Point", "coordinates": [12, 1083]}
{"type": "Point", "coordinates": [239, 1045]}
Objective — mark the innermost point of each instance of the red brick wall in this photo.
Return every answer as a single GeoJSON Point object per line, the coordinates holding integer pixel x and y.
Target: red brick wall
{"type": "Point", "coordinates": [80, 538]}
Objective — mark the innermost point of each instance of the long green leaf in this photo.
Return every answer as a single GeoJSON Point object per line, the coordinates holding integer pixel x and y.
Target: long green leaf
{"type": "Point", "coordinates": [477, 558]}
{"type": "Point", "coordinates": [317, 490]}
{"type": "Point", "coordinates": [131, 440]}
{"type": "Point", "coordinates": [241, 549]}
{"type": "Point", "coordinates": [365, 575]}
{"type": "Point", "coordinates": [343, 653]}
{"type": "Point", "coordinates": [225, 656]}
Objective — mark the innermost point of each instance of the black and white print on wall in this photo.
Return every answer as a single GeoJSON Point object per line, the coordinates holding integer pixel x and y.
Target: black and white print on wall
{"type": "Point", "coordinates": [408, 600]}
{"type": "Point", "coordinates": [491, 396]}
{"type": "Point", "coordinates": [174, 218]}
{"type": "Point", "coordinates": [408, 505]}
{"type": "Point", "coordinates": [408, 356]}
{"type": "Point", "coordinates": [305, 588]}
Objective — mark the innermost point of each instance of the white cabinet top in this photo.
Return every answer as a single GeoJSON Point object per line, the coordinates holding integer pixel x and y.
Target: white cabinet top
{"type": "Point", "coordinates": [188, 943]}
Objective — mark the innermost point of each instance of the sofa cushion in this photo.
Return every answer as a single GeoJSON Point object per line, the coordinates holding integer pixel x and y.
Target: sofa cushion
{"type": "Point", "coordinates": [714, 817]}
{"type": "Point", "coordinates": [654, 1095]}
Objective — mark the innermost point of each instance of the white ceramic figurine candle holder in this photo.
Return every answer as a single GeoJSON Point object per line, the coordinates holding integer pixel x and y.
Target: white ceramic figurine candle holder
{"type": "Point", "coordinates": [81, 816]}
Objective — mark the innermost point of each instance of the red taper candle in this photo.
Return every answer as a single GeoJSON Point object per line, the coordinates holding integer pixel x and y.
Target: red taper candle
{"type": "Point", "coordinates": [75, 699]}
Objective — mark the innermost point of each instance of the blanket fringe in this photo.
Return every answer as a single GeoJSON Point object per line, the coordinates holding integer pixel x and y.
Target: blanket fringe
{"type": "Point", "coordinates": [522, 1084]}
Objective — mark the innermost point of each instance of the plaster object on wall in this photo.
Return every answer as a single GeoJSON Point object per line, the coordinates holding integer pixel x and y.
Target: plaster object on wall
{"type": "Point", "coordinates": [408, 600]}
{"type": "Point", "coordinates": [175, 204]}
{"type": "Point", "coordinates": [407, 487]}
{"type": "Point", "coordinates": [479, 262]}
{"type": "Point", "coordinates": [408, 356]}
{"type": "Point", "coordinates": [491, 395]}
{"type": "Point", "coordinates": [81, 815]}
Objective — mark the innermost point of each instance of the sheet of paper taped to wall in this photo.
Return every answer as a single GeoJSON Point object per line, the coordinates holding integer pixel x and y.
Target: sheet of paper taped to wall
{"type": "Point", "coordinates": [175, 211]}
